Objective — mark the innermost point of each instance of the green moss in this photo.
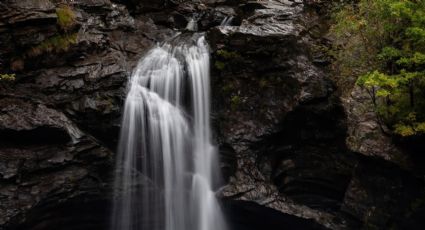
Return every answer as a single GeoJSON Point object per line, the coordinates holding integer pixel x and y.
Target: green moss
{"type": "Point", "coordinates": [228, 87]}
{"type": "Point", "coordinates": [219, 65]}
{"type": "Point", "coordinates": [235, 101]}
{"type": "Point", "coordinates": [55, 44]}
{"type": "Point", "coordinates": [227, 54]}
{"type": "Point", "coordinates": [66, 17]}
{"type": "Point", "coordinates": [7, 77]}
{"type": "Point", "coordinates": [224, 57]}
{"type": "Point", "coordinates": [106, 103]}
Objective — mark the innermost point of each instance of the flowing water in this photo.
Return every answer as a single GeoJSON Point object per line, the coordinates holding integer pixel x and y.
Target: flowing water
{"type": "Point", "coordinates": [166, 163]}
{"type": "Point", "coordinates": [227, 21]}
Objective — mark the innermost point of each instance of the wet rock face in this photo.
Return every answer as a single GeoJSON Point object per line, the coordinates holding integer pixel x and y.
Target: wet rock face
{"type": "Point", "coordinates": [59, 120]}
{"type": "Point", "coordinates": [43, 159]}
{"type": "Point", "coordinates": [292, 150]}
{"type": "Point", "coordinates": [85, 80]}
{"type": "Point", "coordinates": [280, 118]}
{"type": "Point", "coordinates": [284, 130]}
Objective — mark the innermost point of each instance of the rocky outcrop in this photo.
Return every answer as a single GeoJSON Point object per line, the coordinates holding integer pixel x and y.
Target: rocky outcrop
{"type": "Point", "coordinates": [59, 120]}
{"type": "Point", "coordinates": [291, 134]}
{"type": "Point", "coordinates": [45, 158]}
{"type": "Point", "coordinates": [366, 134]}
{"type": "Point", "coordinates": [279, 114]}
{"type": "Point", "coordinates": [295, 155]}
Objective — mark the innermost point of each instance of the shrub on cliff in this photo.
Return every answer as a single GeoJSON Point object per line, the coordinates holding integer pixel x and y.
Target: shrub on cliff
{"type": "Point", "coordinates": [382, 44]}
{"type": "Point", "coordinates": [66, 17]}
{"type": "Point", "coordinates": [7, 77]}
{"type": "Point", "coordinates": [56, 44]}
{"type": "Point", "coordinates": [63, 39]}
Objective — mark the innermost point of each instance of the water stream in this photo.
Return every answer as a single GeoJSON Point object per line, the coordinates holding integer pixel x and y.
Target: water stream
{"type": "Point", "coordinates": [166, 162]}
{"type": "Point", "coordinates": [227, 21]}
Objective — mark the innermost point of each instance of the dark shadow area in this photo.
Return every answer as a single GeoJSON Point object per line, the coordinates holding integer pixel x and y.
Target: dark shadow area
{"type": "Point", "coordinates": [87, 212]}
{"type": "Point", "coordinates": [307, 159]}
{"type": "Point", "coordinates": [414, 146]}
{"type": "Point", "coordinates": [38, 136]}
{"type": "Point", "coordinates": [79, 213]}
{"type": "Point", "coordinates": [244, 215]}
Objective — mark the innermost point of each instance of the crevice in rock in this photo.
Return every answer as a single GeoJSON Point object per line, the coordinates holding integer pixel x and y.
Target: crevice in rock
{"type": "Point", "coordinates": [245, 215]}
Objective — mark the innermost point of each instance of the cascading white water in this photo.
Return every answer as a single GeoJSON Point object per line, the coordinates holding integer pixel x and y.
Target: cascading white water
{"type": "Point", "coordinates": [166, 162]}
{"type": "Point", "coordinates": [227, 21]}
{"type": "Point", "coordinates": [192, 25]}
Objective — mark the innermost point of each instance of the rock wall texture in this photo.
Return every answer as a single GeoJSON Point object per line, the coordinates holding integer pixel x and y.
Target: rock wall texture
{"type": "Point", "coordinates": [295, 154]}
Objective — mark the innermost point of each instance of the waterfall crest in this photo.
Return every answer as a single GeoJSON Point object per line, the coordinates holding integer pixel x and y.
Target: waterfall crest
{"type": "Point", "coordinates": [166, 162]}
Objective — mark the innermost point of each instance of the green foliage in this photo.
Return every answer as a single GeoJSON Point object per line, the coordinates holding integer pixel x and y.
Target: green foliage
{"type": "Point", "coordinates": [55, 44]}
{"type": "Point", "coordinates": [224, 57]}
{"type": "Point", "coordinates": [382, 44]}
{"type": "Point", "coordinates": [410, 129]}
{"type": "Point", "coordinates": [389, 53]}
{"type": "Point", "coordinates": [7, 77]}
{"type": "Point", "coordinates": [235, 101]}
{"type": "Point", "coordinates": [60, 42]}
{"type": "Point", "coordinates": [66, 17]}
{"type": "Point", "coordinates": [379, 84]}
{"type": "Point", "coordinates": [228, 87]}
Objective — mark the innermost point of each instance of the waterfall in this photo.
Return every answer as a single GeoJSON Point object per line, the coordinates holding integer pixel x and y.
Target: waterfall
{"type": "Point", "coordinates": [166, 162]}
{"type": "Point", "coordinates": [192, 25]}
{"type": "Point", "coordinates": [227, 21]}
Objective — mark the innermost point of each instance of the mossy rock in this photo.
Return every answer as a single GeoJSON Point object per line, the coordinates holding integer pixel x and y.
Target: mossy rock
{"type": "Point", "coordinates": [55, 44]}
{"type": "Point", "coordinates": [227, 54]}
{"type": "Point", "coordinates": [7, 77]}
{"type": "Point", "coordinates": [66, 17]}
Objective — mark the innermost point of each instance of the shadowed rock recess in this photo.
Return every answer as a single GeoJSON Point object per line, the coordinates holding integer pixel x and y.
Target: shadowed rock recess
{"type": "Point", "coordinates": [295, 154]}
